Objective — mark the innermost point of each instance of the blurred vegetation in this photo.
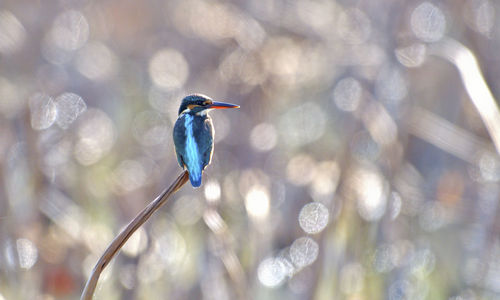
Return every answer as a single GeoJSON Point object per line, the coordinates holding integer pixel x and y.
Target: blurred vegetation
{"type": "Point", "coordinates": [357, 167]}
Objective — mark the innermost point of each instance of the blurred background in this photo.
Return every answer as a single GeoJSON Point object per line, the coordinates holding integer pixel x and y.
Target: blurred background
{"type": "Point", "coordinates": [361, 165]}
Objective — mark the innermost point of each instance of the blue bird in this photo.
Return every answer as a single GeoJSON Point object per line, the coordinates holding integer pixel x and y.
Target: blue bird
{"type": "Point", "coordinates": [194, 134]}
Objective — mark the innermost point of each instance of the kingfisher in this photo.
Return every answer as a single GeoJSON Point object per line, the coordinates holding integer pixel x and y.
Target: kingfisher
{"type": "Point", "coordinates": [194, 134]}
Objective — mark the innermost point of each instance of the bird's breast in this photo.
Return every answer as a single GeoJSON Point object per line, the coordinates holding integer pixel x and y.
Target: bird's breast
{"type": "Point", "coordinates": [193, 137]}
{"type": "Point", "coordinates": [192, 147]}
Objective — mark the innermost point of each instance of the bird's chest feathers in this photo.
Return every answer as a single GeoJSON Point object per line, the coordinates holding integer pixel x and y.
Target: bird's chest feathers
{"type": "Point", "coordinates": [192, 147]}
{"type": "Point", "coordinates": [198, 132]}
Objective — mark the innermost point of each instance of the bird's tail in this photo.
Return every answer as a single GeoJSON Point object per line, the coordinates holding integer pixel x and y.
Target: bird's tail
{"type": "Point", "coordinates": [195, 178]}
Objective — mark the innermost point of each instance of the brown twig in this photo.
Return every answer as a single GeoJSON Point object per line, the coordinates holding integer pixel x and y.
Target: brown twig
{"type": "Point", "coordinates": [120, 240]}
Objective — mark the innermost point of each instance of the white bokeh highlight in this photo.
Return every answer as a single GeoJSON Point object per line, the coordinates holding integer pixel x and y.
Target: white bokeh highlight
{"type": "Point", "coordinates": [257, 202]}
{"type": "Point", "coordinates": [303, 252]}
{"type": "Point", "coordinates": [96, 135]}
{"type": "Point", "coordinates": [70, 30]}
{"type": "Point", "coordinates": [96, 61]}
{"type": "Point", "coordinates": [263, 137]}
{"type": "Point", "coordinates": [371, 193]}
{"type": "Point", "coordinates": [69, 107]}
{"type": "Point", "coordinates": [411, 56]}
{"type": "Point", "coordinates": [272, 272]}
{"type": "Point", "coordinates": [43, 111]}
{"type": "Point", "coordinates": [27, 253]}
{"type": "Point", "coordinates": [428, 22]}
{"type": "Point", "coordinates": [347, 94]}
{"type": "Point", "coordinates": [168, 69]}
{"type": "Point", "coordinates": [313, 217]}
{"type": "Point", "coordinates": [303, 124]}
{"type": "Point", "coordinates": [212, 191]}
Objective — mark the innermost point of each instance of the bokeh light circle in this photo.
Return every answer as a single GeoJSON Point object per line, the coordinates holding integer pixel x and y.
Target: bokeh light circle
{"type": "Point", "coordinates": [271, 272]}
{"type": "Point", "coordinates": [304, 252]}
{"type": "Point", "coordinates": [428, 22]}
{"type": "Point", "coordinates": [69, 107]}
{"type": "Point", "coordinates": [43, 111]}
{"type": "Point", "coordinates": [263, 137]}
{"type": "Point", "coordinates": [347, 94]}
{"type": "Point", "coordinates": [70, 30]}
{"type": "Point", "coordinates": [313, 217]}
{"type": "Point", "coordinates": [168, 69]}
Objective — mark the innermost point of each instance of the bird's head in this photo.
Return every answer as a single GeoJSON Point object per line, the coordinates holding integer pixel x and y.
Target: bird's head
{"type": "Point", "coordinates": [198, 104]}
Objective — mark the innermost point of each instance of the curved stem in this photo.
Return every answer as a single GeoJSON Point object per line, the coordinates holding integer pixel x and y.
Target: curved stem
{"type": "Point", "coordinates": [475, 84]}
{"type": "Point", "coordinates": [126, 233]}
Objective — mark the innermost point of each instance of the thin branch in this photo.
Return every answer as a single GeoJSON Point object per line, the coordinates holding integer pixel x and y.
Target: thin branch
{"type": "Point", "coordinates": [475, 84]}
{"type": "Point", "coordinates": [120, 240]}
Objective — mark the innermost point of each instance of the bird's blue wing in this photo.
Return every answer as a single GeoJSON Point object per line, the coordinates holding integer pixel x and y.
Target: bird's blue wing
{"type": "Point", "coordinates": [180, 141]}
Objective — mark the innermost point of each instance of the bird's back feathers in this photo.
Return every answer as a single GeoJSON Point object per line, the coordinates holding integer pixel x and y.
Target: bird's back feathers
{"type": "Point", "coordinates": [193, 139]}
